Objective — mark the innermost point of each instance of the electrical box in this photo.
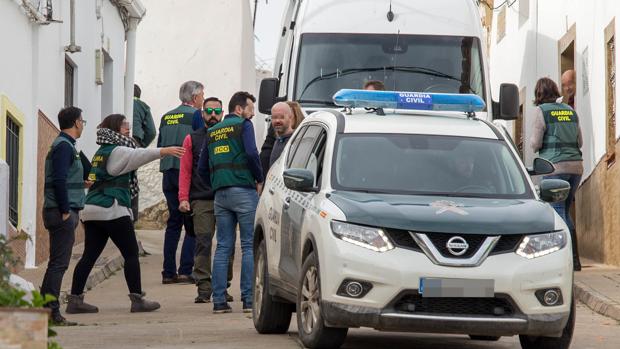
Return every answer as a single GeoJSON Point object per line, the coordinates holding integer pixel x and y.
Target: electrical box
{"type": "Point", "coordinates": [99, 62]}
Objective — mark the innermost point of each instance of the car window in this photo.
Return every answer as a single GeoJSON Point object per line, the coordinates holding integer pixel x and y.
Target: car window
{"type": "Point", "coordinates": [305, 147]}
{"type": "Point", "coordinates": [315, 161]}
{"type": "Point", "coordinates": [428, 165]}
{"type": "Point", "coordinates": [294, 144]}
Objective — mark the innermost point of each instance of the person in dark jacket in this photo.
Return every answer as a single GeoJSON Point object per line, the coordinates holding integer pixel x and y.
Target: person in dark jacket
{"type": "Point", "coordinates": [197, 197]}
{"type": "Point", "coordinates": [174, 127]}
{"type": "Point", "coordinates": [285, 118]}
{"type": "Point", "coordinates": [143, 126]}
{"type": "Point", "coordinates": [64, 198]}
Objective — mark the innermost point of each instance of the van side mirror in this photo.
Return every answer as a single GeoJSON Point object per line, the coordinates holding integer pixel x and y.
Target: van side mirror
{"type": "Point", "coordinates": [508, 106]}
{"type": "Point", "coordinates": [268, 94]}
{"type": "Point", "coordinates": [299, 179]}
{"type": "Point", "coordinates": [554, 190]}
{"type": "Point", "coordinates": [541, 167]}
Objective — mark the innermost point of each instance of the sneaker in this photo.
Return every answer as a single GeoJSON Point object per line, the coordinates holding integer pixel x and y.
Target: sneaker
{"type": "Point", "coordinates": [229, 298]}
{"type": "Point", "coordinates": [247, 307]}
{"type": "Point", "coordinates": [56, 319]}
{"type": "Point", "coordinates": [221, 308]}
{"type": "Point", "coordinates": [203, 298]}
{"type": "Point", "coordinates": [185, 279]}
{"type": "Point", "coordinates": [169, 280]}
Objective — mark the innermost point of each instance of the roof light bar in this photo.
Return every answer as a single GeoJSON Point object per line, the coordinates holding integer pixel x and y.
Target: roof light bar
{"type": "Point", "coordinates": [466, 103]}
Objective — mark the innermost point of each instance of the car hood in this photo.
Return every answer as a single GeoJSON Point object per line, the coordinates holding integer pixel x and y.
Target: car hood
{"type": "Point", "coordinates": [446, 214]}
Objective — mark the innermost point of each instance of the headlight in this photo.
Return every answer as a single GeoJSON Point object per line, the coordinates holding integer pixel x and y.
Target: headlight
{"type": "Point", "coordinates": [370, 238]}
{"type": "Point", "coordinates": [534, 246]}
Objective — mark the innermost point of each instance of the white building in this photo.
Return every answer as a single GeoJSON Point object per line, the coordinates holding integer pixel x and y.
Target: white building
{"type": "Point", "coordinates": [208, 41]}
{"type": "Point", "coordinates": [52, 58]}
{"type": "Point", "coordinates": [533, 39]}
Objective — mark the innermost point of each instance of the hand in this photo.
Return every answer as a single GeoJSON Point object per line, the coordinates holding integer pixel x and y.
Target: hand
{"type": "Point", "coordinates": [65, 216]}
{"type": "Point", "coordinates": [184, 206]}
{"type": "Point", "coordinates": [259, 188]}
{"type": "Point", "coordinates": [88, 184]}
{"type": "Point", "coordinates": [172, 151]}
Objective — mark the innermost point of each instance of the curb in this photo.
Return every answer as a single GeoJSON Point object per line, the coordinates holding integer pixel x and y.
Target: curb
{"type": "Point", "coordinates": [100, 273]}
{"type": "Point", "coordinates": [596, 301]}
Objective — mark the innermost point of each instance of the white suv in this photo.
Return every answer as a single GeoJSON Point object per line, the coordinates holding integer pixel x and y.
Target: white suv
{"type": "Point", "coordinates": [421, 221]}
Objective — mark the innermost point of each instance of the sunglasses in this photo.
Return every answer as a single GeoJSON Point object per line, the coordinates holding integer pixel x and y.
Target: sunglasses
{"type": "Point", "coordinates": [217, 111]}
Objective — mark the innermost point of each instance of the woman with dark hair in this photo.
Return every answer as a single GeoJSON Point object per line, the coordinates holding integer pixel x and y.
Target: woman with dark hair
{"type": "Point", "coordinates": [107, 213]}
{"type": "Point", "coordinates": [557, 138]}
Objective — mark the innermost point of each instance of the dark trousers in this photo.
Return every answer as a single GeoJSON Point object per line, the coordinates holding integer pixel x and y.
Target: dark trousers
{"type": "Point", "coordinates": [176, 220]}
{"type": "Point", "coordinates": [62, 237]}
{"type": "Point", "coordinates": [122, 234]}
{"type": "Point", "coordinates": [204, 227]}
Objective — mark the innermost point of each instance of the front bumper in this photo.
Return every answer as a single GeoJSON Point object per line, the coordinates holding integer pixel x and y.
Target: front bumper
{"type": "Point", "coordinates": [389, 319]}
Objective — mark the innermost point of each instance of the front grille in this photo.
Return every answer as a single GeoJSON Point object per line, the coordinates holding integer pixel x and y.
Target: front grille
{"type": "Point", "coordinates": [414, 303]}
{"type": "Point", "coordinates": [403, 239]}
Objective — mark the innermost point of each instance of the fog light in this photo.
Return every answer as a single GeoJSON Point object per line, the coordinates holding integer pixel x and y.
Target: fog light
{"type": "Point", "coordinates": [550, 297]}
{"type": "Point", "coordinates": [354, 288]}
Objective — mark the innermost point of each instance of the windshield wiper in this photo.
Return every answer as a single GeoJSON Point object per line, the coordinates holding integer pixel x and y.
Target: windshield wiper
{"type": "Point", "coordinates": [312, 101]}
{"type": "Point", "coordinates": [405, 69]}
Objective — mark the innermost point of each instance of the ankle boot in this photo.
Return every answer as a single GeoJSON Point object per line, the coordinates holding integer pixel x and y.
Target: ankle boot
{"type": "Point", "coordinates": [141, 305]}
{"type": "Point", "coordinates": [76, 305]}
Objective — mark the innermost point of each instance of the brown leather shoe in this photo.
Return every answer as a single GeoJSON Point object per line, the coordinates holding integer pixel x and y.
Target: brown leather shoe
{"type": "Point", "coordinates": [185, 279]}
{"type": "Point", "coordinates": [172, 280]}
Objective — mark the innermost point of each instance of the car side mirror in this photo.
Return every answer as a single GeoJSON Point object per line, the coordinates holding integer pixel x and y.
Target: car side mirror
{"type": "Point", "coordinates": [508, 106]}
{"type": "Point", "coordinates": [554, 190]}
{"type": "Point", "coordinates": [299, 179]}
{"type": "Point", "coordinates": [541, 167]}
{"type": "Point", "coordinates": [268, 95]}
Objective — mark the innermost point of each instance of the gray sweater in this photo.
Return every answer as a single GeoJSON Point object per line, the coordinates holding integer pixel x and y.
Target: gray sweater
{"type": "Point", "coordinates": [122, 160]}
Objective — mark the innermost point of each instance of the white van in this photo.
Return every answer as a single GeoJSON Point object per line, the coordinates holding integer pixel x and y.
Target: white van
{"type": "Point", "coordinates": [409, 45]}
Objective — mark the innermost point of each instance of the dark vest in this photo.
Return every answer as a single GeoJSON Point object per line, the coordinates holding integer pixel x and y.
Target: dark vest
{"type": "Point", "coordinates": [560, 141]}
{"type": "Point", "coordinates": [75, 179]}
{"type": "Point", "coordinates": [228, 162]}
{"type": "Point", "coordinates": [174, 127]}
{"type": "Point", "coordinates": [198, 190]}
{"type": "Point", "coordinates": [107, 187]}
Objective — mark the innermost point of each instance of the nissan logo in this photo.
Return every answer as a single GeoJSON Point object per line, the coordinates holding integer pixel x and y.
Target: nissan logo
{"type": "Point", "coordinates": [457, 245]}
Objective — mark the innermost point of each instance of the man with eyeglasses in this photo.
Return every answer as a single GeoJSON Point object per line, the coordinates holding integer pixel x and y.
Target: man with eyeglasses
{"type": "Point", "coordinates": [197, 197]}
{"type": "Point", "coordinates": [64, 198]}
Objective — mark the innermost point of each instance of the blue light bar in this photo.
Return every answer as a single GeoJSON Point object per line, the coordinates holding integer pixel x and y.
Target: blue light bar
{"type": "Point", "coordinates": [466, 103]}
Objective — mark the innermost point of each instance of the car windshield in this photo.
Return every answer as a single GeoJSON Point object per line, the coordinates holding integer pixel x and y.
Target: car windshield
{"type": "Point", "coordinates": [427, 165]}
{"type": "Point", "coordinates": [421, 63]}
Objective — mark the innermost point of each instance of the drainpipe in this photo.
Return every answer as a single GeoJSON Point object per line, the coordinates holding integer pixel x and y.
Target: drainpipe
{"type": "Point", "coordinates": [72, 48]}
{"type": "Point", "coordinates": [130, 64]}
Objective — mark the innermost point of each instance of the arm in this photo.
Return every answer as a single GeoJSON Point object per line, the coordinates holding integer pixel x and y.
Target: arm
{"type": "Point", "coordinates": [203, 164]}
{"type": "Point", "coordinates": [538, 131]}
{"type": "Point", "coordinates": [266, 149]}
{"type": "Point", "coordinates": [125, 159]}
{"type": "Point", "coordinates": [149, 128]}
{"type": "Point", "coordinates": [185, 174]}
{"type": "Point", "coordinates": [249, 145]}
{"type": "Point", "coordinates": [62, 158]}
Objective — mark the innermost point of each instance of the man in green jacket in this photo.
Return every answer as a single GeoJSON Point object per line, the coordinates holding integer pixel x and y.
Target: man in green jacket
{"type": "Point", "coordinates": [174, 127]}
{"type": "Point", "coordinates": [143, 125]}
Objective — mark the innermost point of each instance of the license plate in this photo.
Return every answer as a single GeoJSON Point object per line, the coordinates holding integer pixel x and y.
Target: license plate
{"type": "Point", "coordinates": [468, 288]}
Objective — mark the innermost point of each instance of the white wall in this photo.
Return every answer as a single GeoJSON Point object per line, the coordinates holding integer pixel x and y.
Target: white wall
{"type": "Point", "coordinates": [530, 52]}
{"type": "Point", "coordinates": [208, 41]}
{"type": "Point", "coordinates": [32, 76]}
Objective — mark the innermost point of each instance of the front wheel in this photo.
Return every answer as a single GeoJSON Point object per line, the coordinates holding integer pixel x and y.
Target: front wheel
{"type": "Point", "coordinates": [532, 342]}
{"type": "Point", "coordinates": [269, 316]}
{"type": "Point", "coordinates": [312, 330]}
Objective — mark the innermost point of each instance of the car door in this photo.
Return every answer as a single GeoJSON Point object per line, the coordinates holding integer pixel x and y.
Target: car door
{"type": "Point", "coordinates": [295, 204]}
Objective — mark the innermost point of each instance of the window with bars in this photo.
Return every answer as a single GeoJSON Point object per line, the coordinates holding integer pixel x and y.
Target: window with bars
{"type": "Point", "coordinates": [610, 87]}
{"type": "Point", "coordinates": [69, 83]}
{"type": "Point", "coordinates": [13, 132]}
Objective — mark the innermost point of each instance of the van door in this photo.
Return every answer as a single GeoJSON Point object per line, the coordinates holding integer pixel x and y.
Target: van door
{"type": "Point", "coordinates": [285, 47]}
{"type": "Point", "coordinates": [295, 205]}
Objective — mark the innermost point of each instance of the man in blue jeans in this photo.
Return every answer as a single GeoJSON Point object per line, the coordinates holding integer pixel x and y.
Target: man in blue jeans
{"type": "Point", "coordinates": [174, 127]}
{"type": "Point", "coordinates": [229, 161]}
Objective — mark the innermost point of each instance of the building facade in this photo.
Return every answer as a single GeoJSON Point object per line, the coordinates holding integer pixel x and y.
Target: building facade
{"type": "Point", "coordinates": [56, 53]}
{"type": "Point", "coordinates": [531, 39]}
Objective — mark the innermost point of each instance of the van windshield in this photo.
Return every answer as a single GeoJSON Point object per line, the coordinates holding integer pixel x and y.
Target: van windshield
{"type": "Point", "coordinates": [422, 63]}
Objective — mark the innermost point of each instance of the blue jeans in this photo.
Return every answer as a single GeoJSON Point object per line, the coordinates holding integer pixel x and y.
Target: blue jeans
{"type": "Point", "coordinates": [563, 207]}
{"type": "Point", "coordinates": [176, 220]}
{"type": "Point", "coordinates": [234, 205]}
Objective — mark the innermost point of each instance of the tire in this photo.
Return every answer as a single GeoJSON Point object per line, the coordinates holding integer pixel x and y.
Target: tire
{"type": "Point", "coordinates": [310, 324]}
{"type": "Point", "coordinates": [532, 342]}
{"type": "Point", "coordinates": [484, 338]}
{"type": "Point", "coordinates": [268, 315]}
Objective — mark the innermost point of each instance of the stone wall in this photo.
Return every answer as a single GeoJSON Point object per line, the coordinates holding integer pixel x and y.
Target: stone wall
{"type": "Point", "coordinates": [23, 328]}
